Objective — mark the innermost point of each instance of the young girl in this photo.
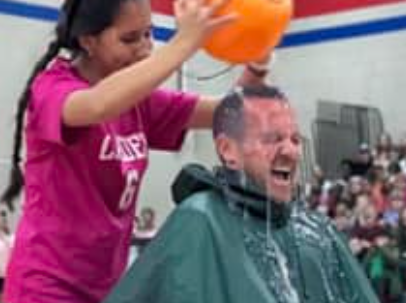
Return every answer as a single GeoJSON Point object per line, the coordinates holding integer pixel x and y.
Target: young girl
{"type": "Point", "coordinates": [90, 121]}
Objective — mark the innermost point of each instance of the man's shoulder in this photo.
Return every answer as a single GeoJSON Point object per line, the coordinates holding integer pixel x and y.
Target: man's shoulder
{"type": "Point", "coordinates": [203, 202]}
{"type": "Point", "coordinates": [206, 207]}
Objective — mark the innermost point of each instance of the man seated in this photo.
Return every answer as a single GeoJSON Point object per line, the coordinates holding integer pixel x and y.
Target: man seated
{"type": "Point", "coordinates": [237, 235]}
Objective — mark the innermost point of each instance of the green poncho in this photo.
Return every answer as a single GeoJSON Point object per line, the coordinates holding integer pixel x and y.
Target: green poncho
{"type": "Point", "coordinates": [225, 243]}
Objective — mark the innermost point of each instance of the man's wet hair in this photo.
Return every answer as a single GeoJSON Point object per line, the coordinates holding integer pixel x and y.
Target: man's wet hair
{"type": "Point", "coordinates": [229, 115]}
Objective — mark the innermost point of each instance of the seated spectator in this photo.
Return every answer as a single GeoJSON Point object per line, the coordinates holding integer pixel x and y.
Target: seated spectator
{"type": "Point", "coordinates": [354, 188]}
{"type": "Point", "coordinates": [360, 164]}
{"type": "Point", "coordinates": [383, 154]}
{"type": "Point", "coordinates": [402, 154]}
{"type": "Point", "coordinates": [144, 231]}
{"type": "Point", "coordinates": [342, 218]}
{"type": "Point", "coordinates": [401, 243]}
{"type": "Point", "coordinates": [376, 178]}
{"type": "Point", "coordinates": [391, 214]}
{"type": "Point", "coordinates": [365, 230]}
{"type": "Point", "coordinates": [146, 227]}
{"type": "Point", "coordinates": [382, 264]}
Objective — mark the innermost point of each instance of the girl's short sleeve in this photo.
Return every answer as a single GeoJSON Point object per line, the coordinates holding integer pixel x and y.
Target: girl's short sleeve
{"type": "Point", "coordinates": [166, 115]}
{"type": "Point", "coordinates": [48, 96]}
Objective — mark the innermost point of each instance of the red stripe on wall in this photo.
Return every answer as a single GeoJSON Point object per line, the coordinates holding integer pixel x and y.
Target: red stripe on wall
{"type": "Point", "coordinates": [307, 8]}
{"type": "Point", "coordinates": [303, 8]}
{"type": "Point", "coordinates": [162, 6]}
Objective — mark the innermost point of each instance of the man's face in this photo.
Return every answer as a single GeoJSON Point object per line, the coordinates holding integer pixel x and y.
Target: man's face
{"type": "Point", "coordinates": [270, 149]}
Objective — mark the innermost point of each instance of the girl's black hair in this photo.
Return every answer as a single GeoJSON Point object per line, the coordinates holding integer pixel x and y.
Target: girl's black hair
{"type": "Point", "coordinates": [76, 18]}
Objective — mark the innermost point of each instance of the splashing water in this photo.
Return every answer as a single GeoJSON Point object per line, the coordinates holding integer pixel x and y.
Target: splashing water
{"type": "Point", "coordinates": [269, 259]}
{"type": "Point", "coordinates": [281, 261]}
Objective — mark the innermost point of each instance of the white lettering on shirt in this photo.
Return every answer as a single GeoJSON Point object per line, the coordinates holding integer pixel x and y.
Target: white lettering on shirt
{"type": "Point", "coordinates": [123, 148]}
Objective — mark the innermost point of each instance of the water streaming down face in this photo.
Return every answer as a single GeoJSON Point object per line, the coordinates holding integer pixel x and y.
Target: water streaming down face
{"type": "Point", "coordinates": [269, 153]}
{"type": "Point", "coordinates": [271, 263]}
